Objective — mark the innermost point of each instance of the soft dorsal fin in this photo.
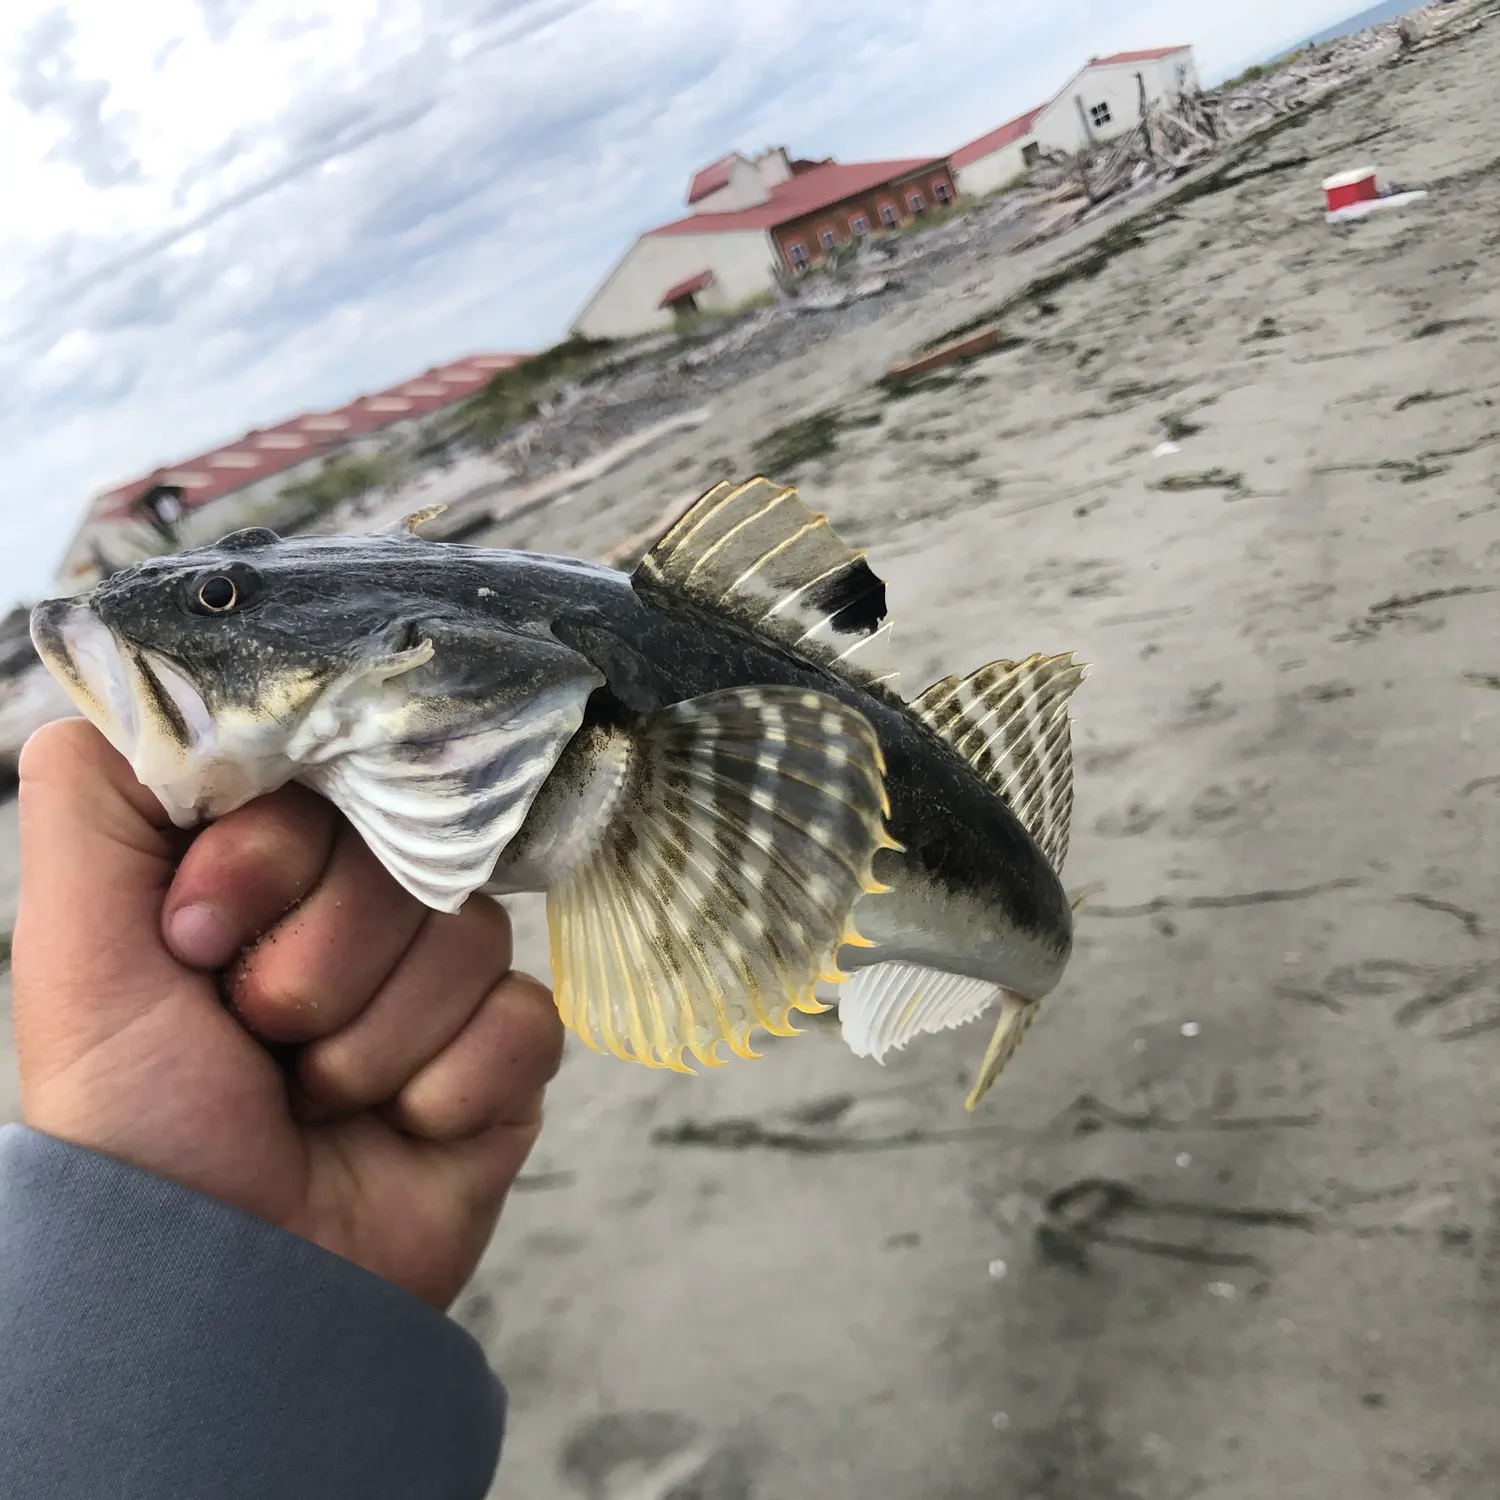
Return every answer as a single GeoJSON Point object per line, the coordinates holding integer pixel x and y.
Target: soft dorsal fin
{"type": "Point", "coordinates": [1010, 722]}
{"type": "Point", "coordinates": [756, 553]}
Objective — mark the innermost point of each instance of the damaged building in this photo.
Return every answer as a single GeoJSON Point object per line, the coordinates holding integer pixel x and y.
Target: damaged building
{"type": "Point", "coordinates": [1102, 100]}
{"type": "Point", "coordinates": [747, 217]}
{"type": "Point", "coordinates": [242, 483]}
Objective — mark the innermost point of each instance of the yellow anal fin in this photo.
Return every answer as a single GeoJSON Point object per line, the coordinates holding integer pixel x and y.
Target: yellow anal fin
{"type": "Point", "coordinates": [1016, 1017]}
{"type": "Point", "coordinates": [725, 882]}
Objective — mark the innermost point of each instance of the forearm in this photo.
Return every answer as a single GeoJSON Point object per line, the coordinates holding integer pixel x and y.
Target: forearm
{"type": "Point", "coordinates": [157, 1343]}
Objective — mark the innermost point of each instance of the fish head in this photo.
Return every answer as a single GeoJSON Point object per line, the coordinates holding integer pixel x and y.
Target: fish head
{"type": "Point", "coordinates": [221, 672]}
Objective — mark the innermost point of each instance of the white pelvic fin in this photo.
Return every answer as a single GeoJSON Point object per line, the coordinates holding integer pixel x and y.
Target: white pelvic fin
{"type": "Point", "coordinates": [883, 1007]}
{"type": "Point", "coordinates": [438, 815]}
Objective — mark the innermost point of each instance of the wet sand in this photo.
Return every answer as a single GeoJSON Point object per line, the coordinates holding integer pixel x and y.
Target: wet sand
{"type": "Point", "coordinates": [1230, 1225]}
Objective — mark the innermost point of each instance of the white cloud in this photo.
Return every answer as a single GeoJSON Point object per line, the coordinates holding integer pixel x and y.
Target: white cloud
{"type": "Point", "coordinates": [235, 209]}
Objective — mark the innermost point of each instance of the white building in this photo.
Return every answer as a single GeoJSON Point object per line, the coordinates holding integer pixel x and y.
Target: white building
{"type": "Point", "coordinates": [1100, 101]}
{"type": "Point", "coordinates": [997, 158]}
{"type": "Point", "coordinates": [746, 217]}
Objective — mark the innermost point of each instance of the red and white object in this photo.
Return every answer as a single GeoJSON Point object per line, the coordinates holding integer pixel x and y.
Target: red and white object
{"type": "Point", "coordinates": [1349, 188]}
{"type": "Point", "coordinates": [1352, 195]}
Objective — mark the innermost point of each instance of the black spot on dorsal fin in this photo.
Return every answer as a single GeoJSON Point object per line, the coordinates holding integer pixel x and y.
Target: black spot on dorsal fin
{"type": "Point", "coordinates": [853, 599]}
{"type": "Point", "coordinates": [757, 554]}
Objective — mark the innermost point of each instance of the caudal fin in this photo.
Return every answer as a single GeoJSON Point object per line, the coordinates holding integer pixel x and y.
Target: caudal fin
{"type": "Point", "coordinates": [1009, 721]}
{"type": "Point", "coordinates": [1016, 1018]}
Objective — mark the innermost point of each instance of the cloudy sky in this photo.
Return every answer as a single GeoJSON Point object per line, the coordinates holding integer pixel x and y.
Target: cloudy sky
{"type": "Point", "coordinates": [217, 213]}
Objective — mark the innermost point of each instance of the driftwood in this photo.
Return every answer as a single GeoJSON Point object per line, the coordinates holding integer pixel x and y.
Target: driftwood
{"type": "Point", "coordinates": [1177, 132]}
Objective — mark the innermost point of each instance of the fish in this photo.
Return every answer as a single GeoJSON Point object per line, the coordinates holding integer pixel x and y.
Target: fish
{"type": "Point", "coordinates": [703, 763]}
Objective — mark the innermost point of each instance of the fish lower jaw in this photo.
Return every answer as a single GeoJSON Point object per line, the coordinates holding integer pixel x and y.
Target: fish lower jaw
{"type": "Point", "coordinates": [214, 788]}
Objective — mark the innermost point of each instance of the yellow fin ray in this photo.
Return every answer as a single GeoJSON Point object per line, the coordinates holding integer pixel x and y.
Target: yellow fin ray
{"type": "Point", "coordinates": [725, 882]}
{"type": "Point", "coordinates": [1016, 1017]}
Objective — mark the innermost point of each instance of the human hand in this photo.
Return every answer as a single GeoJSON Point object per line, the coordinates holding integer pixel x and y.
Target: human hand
{"type": "Point", "coordinates": [374, 1083]}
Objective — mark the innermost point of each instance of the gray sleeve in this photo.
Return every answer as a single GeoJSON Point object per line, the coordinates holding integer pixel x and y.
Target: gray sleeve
{"type": "Point", "coordinates": [156, 1344]}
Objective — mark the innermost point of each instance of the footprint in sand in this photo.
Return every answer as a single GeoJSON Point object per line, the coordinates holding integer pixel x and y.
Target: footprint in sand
{"type": "Point", "coordinates": [654, 1455]}
{"type": "Point", "coordinates": [1450, 1003]}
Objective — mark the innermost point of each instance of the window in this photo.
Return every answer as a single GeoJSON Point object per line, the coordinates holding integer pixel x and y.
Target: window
{"type": "Point", "coordinates": [858, 225]}
{"type": "Point", "coordinates": [914, 202]}
{"type": "Point", "coordinates": [888, 215]}
{"type": "Point", "coordinates": [827, 238]}
{"type": "Point", "coordinates": [1099, 114]}
{"type": "Point", "coordinates": [796, 252]}
{"type": "Point", "coordinates": [1181, 77]}
{"type": "Point", "coordinates": [941, 193]}
{"type": "Point", "coordinates": [1031, 154]}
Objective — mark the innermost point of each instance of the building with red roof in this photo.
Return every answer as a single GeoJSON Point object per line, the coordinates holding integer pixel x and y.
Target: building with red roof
{"type": "Point", "coordinates": [1101, 100]}
{"type": "Point", "coordinates": [749, 217]}
{"type": "Point", "coordinates": [202, 498]}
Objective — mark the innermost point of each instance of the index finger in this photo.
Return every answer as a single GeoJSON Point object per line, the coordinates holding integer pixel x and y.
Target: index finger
{"type": "Point", "coordinates": [244, 872]}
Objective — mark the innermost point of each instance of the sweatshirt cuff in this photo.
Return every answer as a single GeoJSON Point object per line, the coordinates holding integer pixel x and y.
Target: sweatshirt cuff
{"type": "Point", "coordinates": [155, 1342]}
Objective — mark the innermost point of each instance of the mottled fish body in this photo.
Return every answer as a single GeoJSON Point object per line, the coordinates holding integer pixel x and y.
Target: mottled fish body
{"type": "Point", "coordinates": [702, 763]}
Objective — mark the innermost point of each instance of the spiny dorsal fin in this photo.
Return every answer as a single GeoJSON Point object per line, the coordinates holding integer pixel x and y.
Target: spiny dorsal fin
{"type": "Point", "coordinates": [407, 525]}
{"type": "Point", "coordinates": [756, 553]}
{"type": "Point", "coordinates": [1009, 721]}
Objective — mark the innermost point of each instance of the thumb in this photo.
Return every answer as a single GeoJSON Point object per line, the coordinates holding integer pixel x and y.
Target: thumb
{"type": "Point", "coordinates": [97, 857]}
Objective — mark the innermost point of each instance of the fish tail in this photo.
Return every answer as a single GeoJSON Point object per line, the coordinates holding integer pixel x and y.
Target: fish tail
{"type": "Point", "coordinates": [1009, 723]}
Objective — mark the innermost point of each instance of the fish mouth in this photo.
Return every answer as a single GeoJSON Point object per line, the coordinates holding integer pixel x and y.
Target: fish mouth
{"type": "Point", "coordinates": [142, 704]}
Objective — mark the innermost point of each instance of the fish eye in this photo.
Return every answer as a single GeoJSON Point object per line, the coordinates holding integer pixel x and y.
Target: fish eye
{"type": "Point", "coordinates": [218, 595]}
{"type": "Point", "coordinates": [222, 592]}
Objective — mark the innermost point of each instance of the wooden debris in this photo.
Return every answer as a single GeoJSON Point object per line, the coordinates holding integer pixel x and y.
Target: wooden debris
{"type": "Point", "coordinates": [951, 353]}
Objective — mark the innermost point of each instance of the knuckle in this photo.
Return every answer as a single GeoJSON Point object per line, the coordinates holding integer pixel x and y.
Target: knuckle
{"type": "Point", "coordinates": [334, 1075]}
{"type": "Point", "coordinates": [280, 1000]}
{"type": "Point", "coordinates": [534, 1028]}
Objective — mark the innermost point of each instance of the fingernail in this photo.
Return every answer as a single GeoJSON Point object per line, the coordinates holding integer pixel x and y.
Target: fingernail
{"type": "Point", "coordinates": [200, 937]}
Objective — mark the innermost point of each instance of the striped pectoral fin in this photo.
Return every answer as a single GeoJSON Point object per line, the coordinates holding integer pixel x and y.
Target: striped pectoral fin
{"type": "Point", "coordinates": [724, 884]}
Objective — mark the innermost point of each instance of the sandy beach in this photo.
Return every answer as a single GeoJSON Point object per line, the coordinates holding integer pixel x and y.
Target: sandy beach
{"type": "Point", "coordinates": [1230, 1226]}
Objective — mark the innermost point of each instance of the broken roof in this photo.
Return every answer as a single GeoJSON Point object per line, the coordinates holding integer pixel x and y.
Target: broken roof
{"type": "Point", "coordinates": [685, 288]}
{"type": "Point", "coordinates": [805, 193]}
{"type": "Point", "coordinates": [713, 177]}
{"type": "Point", "coordinates": [264, 452]}
{"type": "Point", "coordinates": [1151, 54]}
{"type": "Point", "coordinates": [1001, 135]}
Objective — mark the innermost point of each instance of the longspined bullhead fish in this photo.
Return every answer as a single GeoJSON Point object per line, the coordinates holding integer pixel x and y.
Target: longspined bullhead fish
{"type": "Point", "coordinates": [701, 762]}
